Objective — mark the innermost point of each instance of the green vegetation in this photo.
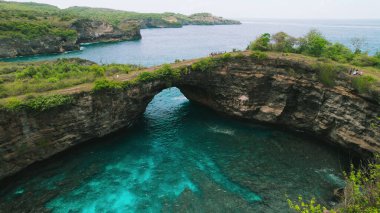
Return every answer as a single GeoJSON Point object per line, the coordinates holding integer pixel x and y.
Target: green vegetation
{"type": "Point", "coordinates": [311, 206]}
{"type": "Point", "coordinates": [39, 103]}
{"type": "Point", "coordinates": [21, 82]}
{"type": "Point", "coordinates": [28, 30]}
{"type": "Point", "coordinates": [27, 21]}
{"type": "Point", "coordinates": [210, 63]}
{"type": "Point", "coordinates": [316, 45]}
{"type": "Point", "coordinates": [116, 17]}
{"type": "Point", "coordinates": [361, 194]}
{"type": "Point", "coordinates": [20, 79]}
{"type": "Point", "coordinates": [328, 72]}
{"type": "Point", "coordinates": [262, 43]}
{"type": "Point", "coordinates": [166, 72]}
{"type": "Point", "coordinates": [257, 55]}
{"type": "Point", "coordinates": [105, 84]}
{"type": "Point", "coordinates": [363, 84]}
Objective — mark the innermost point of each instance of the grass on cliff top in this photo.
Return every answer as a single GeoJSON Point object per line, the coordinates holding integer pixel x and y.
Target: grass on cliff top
{"type": "Point", "coordinates": [26, 78]}
{"type": "Point", "coordinates": [314, 44]}
{"type": "Point", "coordinates": [27, 21]}
{"type": "Point", "coordinates": [21, 82]}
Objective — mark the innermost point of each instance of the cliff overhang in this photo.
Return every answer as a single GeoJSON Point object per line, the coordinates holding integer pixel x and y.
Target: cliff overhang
{"type": "Point", "coordinates": [276, 90]}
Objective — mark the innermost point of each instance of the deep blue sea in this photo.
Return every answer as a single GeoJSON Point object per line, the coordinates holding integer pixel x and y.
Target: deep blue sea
{"type": "Point", "coordinates": [182, 157]}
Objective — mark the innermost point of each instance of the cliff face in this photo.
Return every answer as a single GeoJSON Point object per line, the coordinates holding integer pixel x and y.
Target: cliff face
{"type": "Point", "coordinates": [13, 47]}
{"type": "Point", "coordinates": [99, 31]}
{"type": "Point", "coordinates": [87, 31]}
{"type": "Point", "coordinates": [269, 93]}
{"type": "Point", "coordinates": [27, 137]}
{"type": "Point", "coordinates": [263, 91]}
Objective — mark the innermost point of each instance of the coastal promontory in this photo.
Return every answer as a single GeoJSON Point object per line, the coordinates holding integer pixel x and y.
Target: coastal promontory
{"type": "Point", "coordinates": [32, 28]}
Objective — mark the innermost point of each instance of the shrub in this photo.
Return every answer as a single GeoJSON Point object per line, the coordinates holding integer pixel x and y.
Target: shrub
{"type": "Point", "coordinates": [377, 55]}
{"type": "Point", "coordinates": [225, 57]}
{"type": "Point", "coordinates": [365, 60]}
{"type": "Point", "coordinates": [40, 103]}
{"type": "Point", "coordinates": [314, 43]}
{"type": "Point", "coordinates": [13, 104]}
{"type": "Point", "coordinates": [43, 103]}
{"type": "Point", "coordinates": [307, 207]}
{"type": "Point", "coordinates": [262, 43]}
{"type": "Point", "coordinates": [146, 76]}
{"type": "Point", "coordinates": [46, 76]}
{"type": "Point", "coordinates": [361, 194]}
{"type": "Point", "coordinates": [363, 84]}
{"type": "Point", "coordinates": [204, 65]}
{"type": "Point", "coordinates": [167, 72]}
{"type": "Point", "coordinates": [104, 84]}
{"type": "Point", "coordinates": [283, 42]}
{"type": "Point", "coordinates": [338, 52]}
{"type": "Point", "coordinates": [259, 55]}
{"type": "Point", "coordinates": [327, 73]}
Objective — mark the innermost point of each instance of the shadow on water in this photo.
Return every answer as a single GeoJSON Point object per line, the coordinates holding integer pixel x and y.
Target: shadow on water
{"type": "Point", "coordinates": [180, 157]}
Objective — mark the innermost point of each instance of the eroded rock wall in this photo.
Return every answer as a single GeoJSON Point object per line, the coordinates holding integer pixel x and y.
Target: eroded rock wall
{"type": "Point", "coordinates": [273, 91]}
{"type": "Point", "coordinates": [27, 137]}
{"type": "Point", "coordinates": [90, 31]}
{"type": "Point", "coordinates": [13, 47]}
{"type": "Point", "coordinates": [269, 92]}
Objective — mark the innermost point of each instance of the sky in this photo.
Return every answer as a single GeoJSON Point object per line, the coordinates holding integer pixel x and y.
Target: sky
{"type": "Point", "coordinates": [287, 9]}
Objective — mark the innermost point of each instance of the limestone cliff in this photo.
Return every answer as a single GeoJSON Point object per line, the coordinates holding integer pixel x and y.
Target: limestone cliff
{"type": "Point", "coordinates": [27, 137]}
{"type": "Point", "coordinates": [275, 91]}
{"type": "Point", "coordinates": [12, 47]}
{"type": "Point", "coordinates": [98, 31]}
{"type": "Point", "coordinates": [88, 31]}
{"type": "Point", "coordinates": [268, 92]}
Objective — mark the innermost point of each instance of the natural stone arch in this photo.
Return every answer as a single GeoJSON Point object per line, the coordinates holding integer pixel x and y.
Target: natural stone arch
{"type": "Point", "coordinates": [242, 87]}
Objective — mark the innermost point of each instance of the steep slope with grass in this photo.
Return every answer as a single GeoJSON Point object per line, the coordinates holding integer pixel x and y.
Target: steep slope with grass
{"type": "Point", "coordinates": [284, 90]}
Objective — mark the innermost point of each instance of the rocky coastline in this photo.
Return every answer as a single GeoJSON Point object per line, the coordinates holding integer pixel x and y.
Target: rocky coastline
{"type": "Point", "coordinates": [31, 29]}
{"type": "Point", "coordinates": [243, 87]}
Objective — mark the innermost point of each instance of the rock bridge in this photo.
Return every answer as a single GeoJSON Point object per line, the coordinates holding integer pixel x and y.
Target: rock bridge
{"type": "Point", "coordinates": [277, 90]}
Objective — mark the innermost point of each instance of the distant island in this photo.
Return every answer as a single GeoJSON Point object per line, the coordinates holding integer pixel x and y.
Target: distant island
{"type": "Point", "coordinates": [33, 28]}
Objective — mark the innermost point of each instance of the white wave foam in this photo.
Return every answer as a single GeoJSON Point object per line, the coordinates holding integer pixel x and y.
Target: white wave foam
{"type": "Point", "coordinates": [222, 130]}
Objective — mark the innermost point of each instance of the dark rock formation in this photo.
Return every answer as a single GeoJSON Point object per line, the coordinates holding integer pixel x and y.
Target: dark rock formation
{"type": "Point", "coordinates": [268, 92]}
{"type": "Point", "coordinates": [242, 87]}
{"type": "Point", "coordinates": [98, 31]}
{"type": "Point", "coordinates": [88, 31]}
{"type": "Point", "coordinates": [13, 47]}
{"type": "Point", "coordinates": [155, 23]}
{"type": "Point", "coordinates": [28, 137]}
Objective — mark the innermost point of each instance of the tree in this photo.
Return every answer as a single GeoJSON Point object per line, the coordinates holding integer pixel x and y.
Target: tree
{"type": "Point", "coordinates": [262, 43]}
{"type": "Point", "coordinates": [314, 43]}
{"type": "Point", "coordinates": [358, 44]}
{"type": "Point", "coordinates": [338, 52]}
{"type": "Point", "coordinates": [377, 54]}
{"type": "Point", "coordinates": [283, 42]}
